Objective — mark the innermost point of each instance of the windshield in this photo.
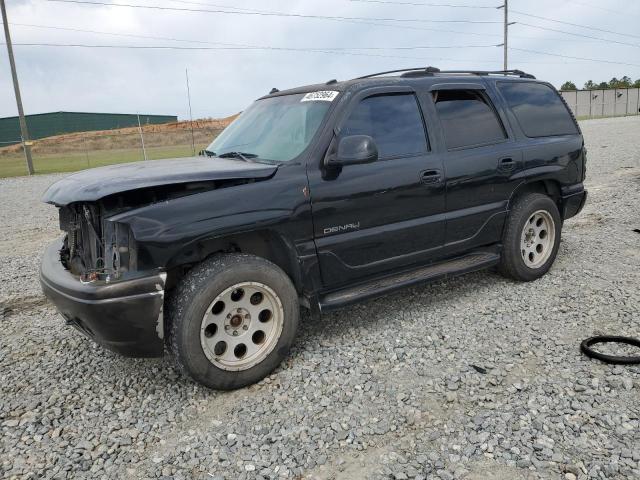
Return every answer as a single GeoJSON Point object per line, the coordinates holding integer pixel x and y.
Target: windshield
{"type": "Point", "coordinates": [275, 129]}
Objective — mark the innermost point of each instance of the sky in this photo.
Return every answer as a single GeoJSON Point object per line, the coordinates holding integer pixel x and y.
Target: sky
{"type": "Point", "coordinates": [225, 76]}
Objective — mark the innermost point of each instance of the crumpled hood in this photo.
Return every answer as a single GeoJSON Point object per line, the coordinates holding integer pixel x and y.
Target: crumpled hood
{"type": "Point", "coordinates": [96, 183]}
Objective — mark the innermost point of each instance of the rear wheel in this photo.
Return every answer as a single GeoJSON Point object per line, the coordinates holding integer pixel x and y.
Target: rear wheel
{"type": "Point", "coordinates": [531, 237]}
{"type": "Point", "coordinates": [233, 319]}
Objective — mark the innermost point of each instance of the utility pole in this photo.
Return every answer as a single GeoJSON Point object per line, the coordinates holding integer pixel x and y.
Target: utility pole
{"type": "Point", "coordinates": [505, 65]}
{"type": "Point", "coordinates": [24, 133]}
{"type": "Point", "coordinates": [505, 42]}
{"type": "Point", "coordinates": [193, 142]}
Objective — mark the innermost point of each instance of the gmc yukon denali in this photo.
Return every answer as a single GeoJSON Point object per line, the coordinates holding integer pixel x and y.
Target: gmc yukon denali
{"type": "Point", "coordinates": [318, 196]}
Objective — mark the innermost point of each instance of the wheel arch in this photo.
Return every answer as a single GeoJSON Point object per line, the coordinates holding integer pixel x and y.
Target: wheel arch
{"type": "Point", "coordinates": [548, 187]}
{"type": "Point", "coordinates": [266, 244]}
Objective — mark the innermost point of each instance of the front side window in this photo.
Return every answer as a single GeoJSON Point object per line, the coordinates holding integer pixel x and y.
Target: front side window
{"type": "Point", "coordinates": [393, 121]}
{"type": "Point", "coordinates": [467, 118]}
{"type": "Point", "coordinates": [538, 108]}
{"type": "Point", "coordinates": [275, 129]}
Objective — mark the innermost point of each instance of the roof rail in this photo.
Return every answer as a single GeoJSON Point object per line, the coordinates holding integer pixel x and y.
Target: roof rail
{"type": "Point", "coordinates": [422, 69]}
{"type": "Point", "coordinates": [410, 72]}
{"type": "Point", "coordinates": [515, 73]}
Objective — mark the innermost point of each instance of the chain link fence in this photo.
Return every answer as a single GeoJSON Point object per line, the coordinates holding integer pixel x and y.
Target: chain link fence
{"type": "Point", "coordinates": [613, 102]}
{"type": "Point", "coordinates": [78, 151]}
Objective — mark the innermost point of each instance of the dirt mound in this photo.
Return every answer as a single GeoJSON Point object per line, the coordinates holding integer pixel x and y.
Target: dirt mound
{"type": "Point", "coordinates": [84, 139]}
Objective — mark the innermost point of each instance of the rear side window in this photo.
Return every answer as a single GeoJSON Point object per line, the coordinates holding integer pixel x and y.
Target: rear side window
{"type": "Point", "coordinates": [393, 121]}
{"type": "Point", "coordinates": [467, 118]}
{"type": "Point", "coordinates": [538, 108]}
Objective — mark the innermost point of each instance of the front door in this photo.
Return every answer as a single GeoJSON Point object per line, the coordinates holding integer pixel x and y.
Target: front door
{"type": "Point", "coordinates": [373, 218]}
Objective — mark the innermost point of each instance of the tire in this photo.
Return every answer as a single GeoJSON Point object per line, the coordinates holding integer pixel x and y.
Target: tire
{"type": "Point", "coordinates": [531, 238]}
{"type": "Point", "coordinates": [204, 314]}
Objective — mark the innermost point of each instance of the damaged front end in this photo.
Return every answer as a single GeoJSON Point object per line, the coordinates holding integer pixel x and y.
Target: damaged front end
{"type": "Point", "coordinates": [107, 275]}
{"type": "Point", "coordinates": [91, 276]}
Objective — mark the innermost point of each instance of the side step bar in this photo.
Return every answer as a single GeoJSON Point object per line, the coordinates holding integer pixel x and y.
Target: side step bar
{"type": "Point", "coordinates": [380, 286]}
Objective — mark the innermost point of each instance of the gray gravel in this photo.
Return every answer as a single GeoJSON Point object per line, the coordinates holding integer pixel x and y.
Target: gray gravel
{"type": "Point", "coordinates": [385, 389]}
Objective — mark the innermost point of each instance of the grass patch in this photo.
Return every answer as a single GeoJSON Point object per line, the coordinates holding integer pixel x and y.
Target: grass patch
{"type": "Point", "coordinates": [14, 165]}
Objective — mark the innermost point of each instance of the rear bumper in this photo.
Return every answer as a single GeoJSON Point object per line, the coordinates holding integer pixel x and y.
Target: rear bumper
{"type": "Point", "coordinates": [573, 200]}
{"type": "Point", "coordinates": [123, 316]}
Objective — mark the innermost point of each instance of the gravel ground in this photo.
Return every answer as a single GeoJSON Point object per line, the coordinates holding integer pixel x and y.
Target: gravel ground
{"type": "Point", "coordinates": [385, 389]}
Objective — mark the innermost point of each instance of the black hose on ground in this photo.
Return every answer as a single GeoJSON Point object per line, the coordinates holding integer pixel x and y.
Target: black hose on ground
{"type": "Point", "coordinates": [585, 346]}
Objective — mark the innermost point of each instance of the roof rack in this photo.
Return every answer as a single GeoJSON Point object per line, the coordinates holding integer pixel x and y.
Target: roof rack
{"type": "Point", "coordinates": [422, 71]}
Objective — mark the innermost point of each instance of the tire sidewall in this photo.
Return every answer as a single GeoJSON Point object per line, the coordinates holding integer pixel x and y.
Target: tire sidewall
{"type": "Point", "coordinates": [537, 202]}
{"type": "Point", "coordinates": [229, 270]}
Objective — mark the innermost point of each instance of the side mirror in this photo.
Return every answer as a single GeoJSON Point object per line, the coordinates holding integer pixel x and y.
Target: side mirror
{"type": "Point", "coordinates": [353, 150]}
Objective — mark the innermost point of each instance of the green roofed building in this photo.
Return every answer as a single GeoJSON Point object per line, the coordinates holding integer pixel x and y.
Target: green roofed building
{"type": "Point", "coordinates": [56, 123]}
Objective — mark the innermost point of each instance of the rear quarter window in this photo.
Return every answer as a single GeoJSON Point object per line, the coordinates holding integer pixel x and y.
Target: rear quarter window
{"type": "Point", "coordinates": [468, 119]}
{"type": "Point", "coordinates": [538, 109]}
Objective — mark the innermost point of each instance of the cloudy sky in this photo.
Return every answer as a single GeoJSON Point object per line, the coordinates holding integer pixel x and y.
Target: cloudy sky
{"type": "Point", "coordinates": [225, 75]}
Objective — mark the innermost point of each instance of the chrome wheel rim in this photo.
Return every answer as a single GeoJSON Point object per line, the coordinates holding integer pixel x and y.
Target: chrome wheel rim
{"type": "Point", "coordinates": [537, 239]}
{"type": "Point", "coordinates": [242, 325]}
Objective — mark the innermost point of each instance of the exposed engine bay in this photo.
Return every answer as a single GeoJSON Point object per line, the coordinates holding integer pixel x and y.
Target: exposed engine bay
{"type": "Point", "coordinates": [94, 249]}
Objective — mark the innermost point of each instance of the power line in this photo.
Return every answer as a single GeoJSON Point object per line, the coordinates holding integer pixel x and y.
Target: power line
{"type": "Point", "coordinates": [421, 4]}
{"type": "Point", "coordinates": [243, 47]}
{"type": "Point", "coordinates": [249, 46]}
{"type": "Point", "coordinates": [271, 14]}
{"type": "Point", "coordinates": [130, 35]}
{"type": "Point", "coordinates": [387, 25]}
{"type": "Point", "coordinates": [589, 5]}
{"type": "Point", "coordinates": [312, 50]}
{"type": "Point", "coordinates": [338, 18]}
{"type": "Point", "coordinates": [606, 40]}
{"type": "Point", "coordinates": [519, 13]}
{"type": "Point", "coordinates": [569, 23]}
{"type": "Point", "coordinates": [236, 44]}
{"type": "Point", "coordinates": [238, 48]}
{"type": "Point", "coordinates": [357, 21]}
{"type": "Point", "coordinates": [191, 2]}
{"type": "Point", "coordinates": [470, 6]}
{"type": "Point", "coordinates": [429, 4]}
{"type": "Point", "coordinates": [318, 50]}
{"type": "Point", "coordinates": [574, 58]}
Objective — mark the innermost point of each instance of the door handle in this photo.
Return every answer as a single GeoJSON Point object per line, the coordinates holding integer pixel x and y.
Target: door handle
{"type": "Point", "coordinates": [430, 177]}
{"type": "Point", "coordinates": [506, 164]}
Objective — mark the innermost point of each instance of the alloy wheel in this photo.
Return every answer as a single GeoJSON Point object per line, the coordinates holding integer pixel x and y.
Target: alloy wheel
{"type": "Point", "coordinates": [537, 239]}
{"type": "Point", "coordinates": [242, 326]}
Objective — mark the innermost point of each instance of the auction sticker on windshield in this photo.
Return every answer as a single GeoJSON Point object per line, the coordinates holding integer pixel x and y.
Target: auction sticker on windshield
{"type": "Point", "coordinates": [321, 96]}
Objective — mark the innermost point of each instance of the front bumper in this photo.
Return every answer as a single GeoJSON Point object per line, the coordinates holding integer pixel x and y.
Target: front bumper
{"type": "Point", "coordinates": [573, 200]}
{"type": "Point", "coordinates": [123, 316]}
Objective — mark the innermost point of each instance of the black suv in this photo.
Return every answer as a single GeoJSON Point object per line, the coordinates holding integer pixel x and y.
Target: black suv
{"type": "Point", "coordinates": [318, 196]}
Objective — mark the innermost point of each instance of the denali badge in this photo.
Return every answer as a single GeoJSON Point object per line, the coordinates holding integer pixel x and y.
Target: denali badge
{"type": "Point", "coordinates": [342, 228]}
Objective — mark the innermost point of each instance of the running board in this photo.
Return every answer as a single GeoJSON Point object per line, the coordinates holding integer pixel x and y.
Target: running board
{"type": "Point", "coordinates": [380, 286]}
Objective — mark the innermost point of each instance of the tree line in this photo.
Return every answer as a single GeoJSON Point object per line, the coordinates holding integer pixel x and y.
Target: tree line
{"type": "Point", "coordinates": [624, 82]}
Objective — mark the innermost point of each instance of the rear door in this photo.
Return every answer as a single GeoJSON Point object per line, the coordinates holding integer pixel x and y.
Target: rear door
{"type": "Point", "coordinates": [373, 218]}
{"type": "Point", "coordinates": [550, 138]}
{"type": "Point", "coordinates": [480, 160]}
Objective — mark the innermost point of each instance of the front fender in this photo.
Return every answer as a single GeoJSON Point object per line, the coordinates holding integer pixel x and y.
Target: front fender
{"type": "Point", "coordinates": [270, 219]}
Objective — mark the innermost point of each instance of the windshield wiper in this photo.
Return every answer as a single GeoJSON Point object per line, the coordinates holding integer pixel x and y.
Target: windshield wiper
{"type": "Point", "coordinates": [241, 155]}
{"type": "Point", "coordinates": [208, 153]}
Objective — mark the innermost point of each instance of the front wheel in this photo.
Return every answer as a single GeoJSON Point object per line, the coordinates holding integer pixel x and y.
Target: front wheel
{"type": "Point", "coordinates": [233, 319]}
{"type": "Point", "coordinates": [531, 237]}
